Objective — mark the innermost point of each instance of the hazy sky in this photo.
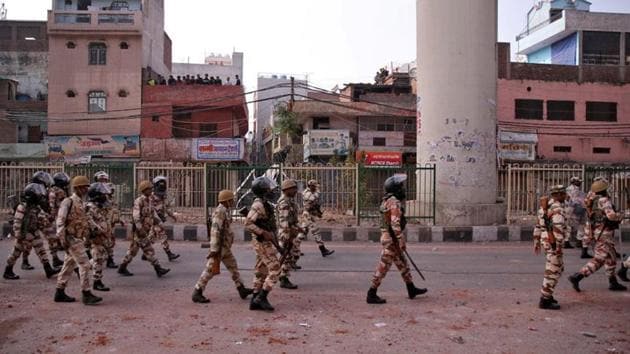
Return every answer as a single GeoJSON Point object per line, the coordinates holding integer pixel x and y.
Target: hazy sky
{"type": "Point", "coordinates": [333, 41]}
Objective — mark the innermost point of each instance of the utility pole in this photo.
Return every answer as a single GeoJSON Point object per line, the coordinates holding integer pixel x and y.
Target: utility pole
{"type": "Point", "coordinates": [292, 101]}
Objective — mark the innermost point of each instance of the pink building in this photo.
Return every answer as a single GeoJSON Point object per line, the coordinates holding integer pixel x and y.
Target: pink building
{"type": "Point", "coordinates": [99, 52]}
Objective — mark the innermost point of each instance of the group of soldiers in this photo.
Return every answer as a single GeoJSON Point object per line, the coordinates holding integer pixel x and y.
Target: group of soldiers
{"type": "Point", "coordinates": [81, 225]}
{"type": "Point", "coordinates": [596, 220]}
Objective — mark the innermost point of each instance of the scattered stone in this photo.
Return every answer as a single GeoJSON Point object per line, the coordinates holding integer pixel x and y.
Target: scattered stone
{"type": "Point", "coordinates": [457, 339]}
{"type": "Point", "coordinates": [589, 334]}
{"type": "Point", "coordinates": [380, 325]}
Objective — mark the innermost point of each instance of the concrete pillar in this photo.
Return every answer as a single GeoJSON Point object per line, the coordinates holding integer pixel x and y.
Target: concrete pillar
{"type": "Point", "coordinates": [457, 77]}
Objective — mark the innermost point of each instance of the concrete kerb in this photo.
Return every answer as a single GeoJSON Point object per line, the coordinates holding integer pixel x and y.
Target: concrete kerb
{"type": "Point", "coordinates": [421, 234]}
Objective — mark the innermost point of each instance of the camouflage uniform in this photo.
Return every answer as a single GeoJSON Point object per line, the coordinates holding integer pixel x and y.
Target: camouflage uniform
{"type": "Point", "coordinates": [311, 213]}
{"type": "Point", "coordinates": [575, 210]}
{"type": "Point", "coordinates": [221, 239]}
{"type": "Point", "coordinates": [29, 224]}
{"type": "Point", "coordinates": [113, 216]}
{"type": "Point", "coordinates": [267, 268]}
{"type": "Point", "coordinates": [142, 218]}
{"type": "Point", "coordinates": [163, 210]}
{"type": "Point", "coordinates": [394, 215]}
{"type": "Point", "coordinates": [605, 254]}
{"type": "Point", "coordinates": [287, 211]}
{"type": "Point", "coordinates": [554, 265]}
{"type": "Point", "coordinates": [100, 233]}
{"type": "Point", "coordinates": [72, 230]}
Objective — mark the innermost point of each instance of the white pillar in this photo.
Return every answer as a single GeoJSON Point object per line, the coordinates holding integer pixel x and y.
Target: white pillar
{"type": "Point", "coordinates": [457, 78]}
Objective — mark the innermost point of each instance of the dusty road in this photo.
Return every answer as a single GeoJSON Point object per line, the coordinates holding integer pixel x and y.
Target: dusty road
{"type": "Point", "coordinates": [482, 299]}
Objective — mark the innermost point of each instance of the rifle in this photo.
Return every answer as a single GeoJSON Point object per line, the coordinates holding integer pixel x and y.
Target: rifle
{"type": "Point", "coordinates": [216, 266]}
{"type": "Point", "coordinates": [263, 225]}
{"type": "Point", "coordinates": [402, 253]}
{"type": "Point", "coordinates": [544, 205]}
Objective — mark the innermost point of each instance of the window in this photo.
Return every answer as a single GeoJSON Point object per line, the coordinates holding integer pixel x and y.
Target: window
{"type": "Point", "coordinates": [385, 127]}
{"type": "Point", "coordinates": [601, 150]}
{"type": "Point", "coordinates": [379, 141]}
{"type": "Point", "coordinates": [181, 124]}
{"type": "Point", "coordinates": [560, 110]}
{"type": "Point", "coordinates": [123, 93]}
{"type": "Point", "coordinates": [601, 48]}
{"type": "Point", "coordinates": [71, 94]}
{"type": "Point", "coordinates": [124, 45]}
{"type": "Point", "coordinates": [98, 53]}
{"type": "Point", "coordinates": [561, 149]}
{"type": "Point", "coordinates": [155, 118]}
{"type": "Point", "coordinates": [321, 123]}
{"type": "Point", "coordinates": [208, 130]}
{"type": "Point", "coordinates": [97, 102]}
{"type": "Point", "coordinates": [529, 109]}
{"type": "Point", "coordinates": [601, 111]}
{"type": "Point", "coordinates": [83, 5]}
{"type": "Point", "coordinates": [71, 45]}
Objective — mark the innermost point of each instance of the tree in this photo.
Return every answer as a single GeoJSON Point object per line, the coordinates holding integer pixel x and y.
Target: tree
{"type": "Point", "coordinates": [285, 121]}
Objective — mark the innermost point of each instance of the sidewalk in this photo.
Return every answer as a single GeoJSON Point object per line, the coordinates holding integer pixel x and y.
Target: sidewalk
{"type": "Point", "coordinates": [421, 234]}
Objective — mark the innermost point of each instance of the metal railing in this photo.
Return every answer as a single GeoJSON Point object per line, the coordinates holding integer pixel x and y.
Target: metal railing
{"type": "Point", "coordinates": [13, 178]}
{"type": "Point", "coordinates": [535, 28]}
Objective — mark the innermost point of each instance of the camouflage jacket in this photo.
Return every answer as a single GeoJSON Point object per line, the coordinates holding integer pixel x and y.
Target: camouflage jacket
{"type": "Point", "coordinates": [73, 223]}
{"type": "Point", "coordinates": [556, 217]}
{"type": "Point", "coordinates": [56, 195]}
{"type": "Point", "coordinates": [142, 214]}
{"type": "Point", "coordinates": [28, 220]}
{"type": "Point", "coordinates": [100, 227]}
{"type": "Point", "coordinates": [260, 218]}
{"type": "Point", "coordinates": [287, 211]}
{"type": "Point", "coordinates": [161, 207]}
{"type": "Point", "coordinates": [603, 207]}
{"type": "Point", "coordinates": [393, 215]}
{"type": "Point", "coordinates": [311, 201]}
{"type": "Point", "coordinates": [221, 234]}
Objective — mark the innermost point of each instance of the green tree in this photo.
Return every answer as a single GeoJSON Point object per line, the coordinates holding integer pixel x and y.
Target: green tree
{"type": "Point", "coordinates": [285, 121]}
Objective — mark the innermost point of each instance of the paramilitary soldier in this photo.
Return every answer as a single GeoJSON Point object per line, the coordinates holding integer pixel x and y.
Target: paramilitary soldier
{"type": "Point", "coordinates": [113, 215]}
{"type": "Point", "coordinates": [551, 231]}
{"type": "Point", "coordinates": [288, 230]}
{"type": "Point", "coordinates": [57, 193]}
{"type": "Point", "coordinates": [45, 179]}
{"type": "Point", "coordinates": [603, 220]}
{"type": "Point", "coordinates": [221, 239]}
{"type": "Point", "coordinates": [100, 230]}
{"type": "Point", "coordinates": [29, 225]}
{"type": "Point", "coordinates": [262, 224]}
{"type": "Point", "coordinates": [72, 231]}
{"type": "Point", "coordinates": [393, 240]}
{"type": "Point", "coordinates": [143, 217]}
{"type": "Point", "coordinates": [312, 211]}
{"type": "Point", "coordinates": [163, 210]}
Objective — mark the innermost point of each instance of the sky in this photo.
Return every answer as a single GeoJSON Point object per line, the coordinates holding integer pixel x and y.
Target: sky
{"type": "Point", "coordinates": [331, 41]}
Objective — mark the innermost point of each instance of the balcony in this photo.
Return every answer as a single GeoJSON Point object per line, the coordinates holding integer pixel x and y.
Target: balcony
{"type": "Point", "coordinates": [114, 22]}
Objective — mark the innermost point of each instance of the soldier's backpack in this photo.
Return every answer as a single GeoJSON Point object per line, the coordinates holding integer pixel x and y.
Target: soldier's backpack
{"type": "Point", "coordinates": [598, 216]}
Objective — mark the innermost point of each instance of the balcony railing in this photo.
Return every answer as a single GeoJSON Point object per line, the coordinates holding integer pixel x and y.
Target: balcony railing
{"type": "Point", "coordinates": [533, 29]}
{"type": "Point", "coordinates": [116, 19]}
{"type": "Point", "coordinates": [95, 20]}
{"type": "Point", "coordinates": [73, 18]}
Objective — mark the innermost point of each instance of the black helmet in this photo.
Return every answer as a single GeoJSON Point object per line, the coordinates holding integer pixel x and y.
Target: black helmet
{"type": "Point", "coordinates": [395, 185]}
{"type": "Point", "coordinates": [61, 180]}
{"type": "Point", "coordinates": [35, 194]}
{"type": "Point", "coordinates": [159, 185]}
{"type": "Point", "coordinates": [43, 178]}
{"type": "Point", "coordinates": [98, 192]}
{"type": "Point", "coordinates": [261, 186]}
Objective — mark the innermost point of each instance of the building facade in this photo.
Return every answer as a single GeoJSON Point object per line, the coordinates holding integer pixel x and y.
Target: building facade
{"type": "Point", "coordinates": [224, 67]}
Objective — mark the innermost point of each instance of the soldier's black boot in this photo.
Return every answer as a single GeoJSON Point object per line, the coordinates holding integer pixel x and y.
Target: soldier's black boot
{"type": "Point", "coordinates": [325, 252]}
{"type": "Point", "coordinates": [614, 285]}
{"type": "Point", "coordinates": [372, 298]}
{"type": "Point", "coordinates": [60, 296]}
{"type": "Point", "coordinates": [90, 299]}
{"type": "Point", "coordinates": [111, 263]}
{"type": "Point", "coordinates": [160, 271]}
{"type": "Point", "coordinates": [567, 245]}
{"type": "Point", "coordinates": [171, 256]}
{"type": "Point", "coordinates": [553, 300]}
{"type": "Point", "coordinates": [623, 273]}
{"type": "Point", "coordinates": [198, 297]}
{"type": "Point", "coordinates": [56, 262]}
{"type": "Point", "coordinates": [413, 291]}
{"type": "Point", "coordinates": [585, 254]}
{"type": "Point", "coordinates": [98, 285]}
{"type": "Point", "coordinates": [548, 304]}
{"type": "Point", "coordinates": [575, 280]}
{"type": "Point", "coordinates": [50, 271]}
{"type": "Point", "coordinates": [8, 273]}
{"type": "Point", "coordinates": [252, 304]}
{"type": "Point", "coordinates": [122, 270]}
{"type": "Point", "coordinates": [244, 292]}
{"type": "Point", "coordinates": [261, 302]}
{"type": "Point", "coordinates": [285, 283]}
{"type": "Point", "coordinates": [25, 264]}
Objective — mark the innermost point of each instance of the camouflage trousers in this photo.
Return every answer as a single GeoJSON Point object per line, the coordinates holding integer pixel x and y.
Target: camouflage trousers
{"type": "Point", "coordinates": [99, 257]}
{"type": "Point", "coordinates": [294, 254]}
{"type": "Point", "coordinates": [54, 245]}
{"type": "Point", "coordinates": [554, 266]}
{"type": "Point", "coordinates": [138, 243]}
{"type": "Point", "coordinates": [110, 244]}
{"type": "Point", "coordinates": [605, 255]}
{"type": "Point", "coordinates": [310, 223]}
{"type": "Point", "coordinates": [228, 260]}
{"type": "Point", "coordinates": [159, 234]}
{"type": "Point", "coordinates": [75, 256]}
{"type": "Point", "coordinates": [267, 268]}
{"type": "Point", "coordinates": [25, 244]}
{"type": "Point", "coordinates": [389, 255]}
